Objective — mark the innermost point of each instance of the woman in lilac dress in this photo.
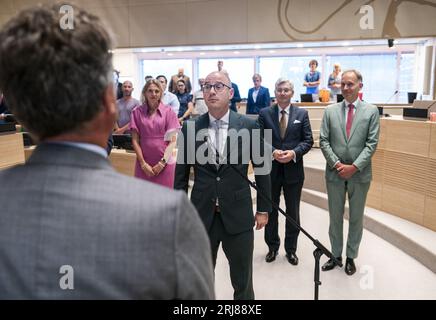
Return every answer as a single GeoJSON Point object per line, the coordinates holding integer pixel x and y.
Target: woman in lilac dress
{"type": "Point", "coordinates": [154, 127]}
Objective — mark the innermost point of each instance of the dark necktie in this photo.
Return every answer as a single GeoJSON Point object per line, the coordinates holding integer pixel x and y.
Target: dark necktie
{"type": "Point", "coordinates": [283, 124]}
{"type": "Point", "coordinates": [349, 119]}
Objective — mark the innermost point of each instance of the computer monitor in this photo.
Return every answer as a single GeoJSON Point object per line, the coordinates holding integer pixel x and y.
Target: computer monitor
{"type": "Point", "coordinates": [306, 97]}
{"type": "Point", "coordinates": [339, 98]}
{"type": "Point", "coordinates": [123, 141]}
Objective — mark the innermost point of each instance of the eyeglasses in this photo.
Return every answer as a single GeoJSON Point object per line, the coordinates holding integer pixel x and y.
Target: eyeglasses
{"type": "Point", "coordinates": [219, 86]}
{"type": "Point", "coordinates": [286, 90]}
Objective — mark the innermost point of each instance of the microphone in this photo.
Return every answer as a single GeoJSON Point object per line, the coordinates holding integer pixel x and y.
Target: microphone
{"type": "Point", "coordinates": [395, 93]}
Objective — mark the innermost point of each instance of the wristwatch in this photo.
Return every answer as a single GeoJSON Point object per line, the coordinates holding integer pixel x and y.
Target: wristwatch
{"type": "Point", "coordinates": [163, 161]}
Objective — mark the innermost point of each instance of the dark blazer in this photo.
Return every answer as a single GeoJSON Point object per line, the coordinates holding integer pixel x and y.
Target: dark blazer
{"type": "Point", "coordinates": [210, 182]}
{"type": "Point", "coordinates": [263, 100]}
{"type": "Point", "coordinates": [298, 137]}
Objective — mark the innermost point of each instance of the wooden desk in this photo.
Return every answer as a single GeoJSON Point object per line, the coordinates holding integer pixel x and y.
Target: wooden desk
{"type": "Point", "coordinates": [11, 149]}
{"type": "Point", "coordinates": [404, 171]}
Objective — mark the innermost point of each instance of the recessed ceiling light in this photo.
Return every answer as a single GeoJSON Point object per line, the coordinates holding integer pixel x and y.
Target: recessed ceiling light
{"type": "Point", "coordinates": [300, 45]}
{"type": "Point", "coordinates": [170, 54]}
{"type": "Point", "coordinates": [257, 47]}
{"type": "Point", "coordinates": [350, 48]}
{"type": "Point", "coordinates": [309, 50]}
{"type": "Point", "coordinates": [202, 53]}
{"type": "Point", "coordinates": [272, 51]}
{"type": "Point", "coordinates": [236, 52]}
{"type": "Point", "coordinates": [345, 44]}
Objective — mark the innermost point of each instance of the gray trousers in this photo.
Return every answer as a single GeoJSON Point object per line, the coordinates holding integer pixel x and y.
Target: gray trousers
{"type": "Point", "coordinates": [357, 193]}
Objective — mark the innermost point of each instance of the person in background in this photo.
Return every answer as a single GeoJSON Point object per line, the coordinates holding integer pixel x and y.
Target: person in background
{"type": "Point", "coordinates": [71, 226]}
{"type": "Point", "coordinates": [348, 139]}
{"type": "Point", "coordinates": [291, 140]}
{"type": "Point", "coordinates": [154, 126]}
{"type": "Point", "coordinates": [334, 82]}
{"type": "Point", "coordinates": [312, 79]}
{"type": "Point", "coordinates": [118, 85]}
{"type": "Point", "coordinates": [148, 78]}
{"type": "Point", "coordinates": [258, 96]}
{"type": "Point", "coordinates": [168, 98]}
{"type": "Point", "coordinates": [200, 106]}
{"type": "Point", "coordinates": [185, 100]}
{"type": "Point", "coordinates": [236, 95]}
{"type": "Point", "coordinates": [125, 106]}
{"type": "Point", "coordinates": [180, 76]}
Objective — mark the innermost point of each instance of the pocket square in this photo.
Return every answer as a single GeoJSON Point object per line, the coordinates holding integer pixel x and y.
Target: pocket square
{"type": "Point", "coordinates": [297, 121]}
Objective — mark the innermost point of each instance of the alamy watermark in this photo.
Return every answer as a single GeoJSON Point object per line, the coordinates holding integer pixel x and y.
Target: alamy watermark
{"type": "Point", "coordinates": [240, 147]}
{"type": "Point", "coordinates": [67, 20]}
{"type": "Point", "coordinates": [66, 282]}
{"type": "Point", "coordinates": [367, 20]}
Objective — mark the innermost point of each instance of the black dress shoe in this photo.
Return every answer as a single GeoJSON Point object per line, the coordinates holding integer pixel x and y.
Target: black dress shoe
{"type": "Point", "coordinates": [350, 267]}
{"type": "Point", "coordinates": [330, 264]}
{"type": "Point", "coordinates": [292, 258]}
{"type": "Point", "coordinates": [271, 255]}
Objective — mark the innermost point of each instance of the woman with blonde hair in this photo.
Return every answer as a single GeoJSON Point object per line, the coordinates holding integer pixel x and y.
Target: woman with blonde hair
{"type": "Point", "coordinates": [154, 128]}
{"type": "Point", "coordinates": [334, 82]}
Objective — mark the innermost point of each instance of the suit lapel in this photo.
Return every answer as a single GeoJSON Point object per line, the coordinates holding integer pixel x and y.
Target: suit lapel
{"type": "Point", "coordinates": [274, 113]}
{"type": "Point", "coordinates": [357, 115]}
{"type": "Point", "coordinates": [291, 119]}
{"type": "Point", "coordinates": [340, 115]}
{"type": "Point", "coordinates": [203, 124]}
{"type": "Point", "coordinates": [231, 144]}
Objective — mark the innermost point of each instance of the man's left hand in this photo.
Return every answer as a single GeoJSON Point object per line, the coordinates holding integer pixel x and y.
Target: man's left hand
{"type": "Point", "coordinates": [346, 171]}
{"type": "Point", "coordinates": [261, 220]}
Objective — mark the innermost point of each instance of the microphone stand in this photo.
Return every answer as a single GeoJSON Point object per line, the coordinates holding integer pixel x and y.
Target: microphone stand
{"type": "Point", "coordinates": [320, 249]}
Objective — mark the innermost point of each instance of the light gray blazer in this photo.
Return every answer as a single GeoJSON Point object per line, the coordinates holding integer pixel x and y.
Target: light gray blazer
{"type": "Point", "coordinates": [361, 145]}
{"type": "Point", "coordinates": [124, 238]}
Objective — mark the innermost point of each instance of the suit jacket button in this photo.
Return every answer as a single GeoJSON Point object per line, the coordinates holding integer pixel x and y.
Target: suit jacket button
{"type": "Point", "coordinates": [218, 178]}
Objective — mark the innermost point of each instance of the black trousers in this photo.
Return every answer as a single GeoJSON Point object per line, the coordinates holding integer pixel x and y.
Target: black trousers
{"type": "Point", "coordinates": [238, 249]}
{"type": "Point", "coordinates": [292, 193]}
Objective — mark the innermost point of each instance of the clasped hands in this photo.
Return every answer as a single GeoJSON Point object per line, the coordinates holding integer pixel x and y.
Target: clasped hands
{"type": "Point", "coordinates": [283, 156]}
{"type": "Point", "coordinates": [152, 171]}
{"type": "Point", "coordinates": [345, 171]}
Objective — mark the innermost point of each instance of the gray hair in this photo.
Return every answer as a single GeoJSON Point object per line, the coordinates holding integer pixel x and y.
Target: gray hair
{"type": "Point", "coordinates": [283, 80]}
{"type": "Point", "coordinates": [54, 78]}
{"type": "Point", "coordinates": [357, 73]}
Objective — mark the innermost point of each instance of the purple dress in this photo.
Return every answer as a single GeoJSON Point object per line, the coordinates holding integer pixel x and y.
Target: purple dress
{"type": "Point", "coordinates": [151, 131]}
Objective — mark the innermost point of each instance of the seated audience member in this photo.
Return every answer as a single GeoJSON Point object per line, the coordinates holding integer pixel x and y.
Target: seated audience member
{"type": "Point", "coordinates": [125, 106]}
{"type": "Point", "coordinates": [154, 127]}
{"type": "Point", "coordinates": [71, 226]}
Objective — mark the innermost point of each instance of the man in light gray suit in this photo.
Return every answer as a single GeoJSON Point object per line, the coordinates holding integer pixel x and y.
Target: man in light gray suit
{"type": "Point", "coordinates": [348, 139]}
{"type": "Point", "coordinates": [70, 226]}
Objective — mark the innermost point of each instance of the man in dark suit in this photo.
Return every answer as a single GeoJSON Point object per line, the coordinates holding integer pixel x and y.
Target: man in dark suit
{"type": "Point", "coordinates": [291, 139]}
{"type": "Point", "coordinates": [258, 96]}
{"type": "Point", "coordinates": [221, 196]}
{"type": "Point", "coordinates": [71, 226]}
